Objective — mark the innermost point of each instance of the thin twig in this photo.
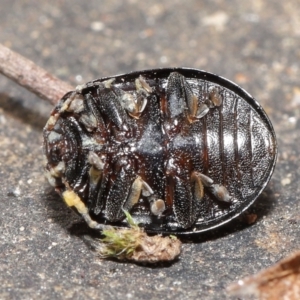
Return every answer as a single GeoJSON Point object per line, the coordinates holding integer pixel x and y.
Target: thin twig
{"type": "Point", "coordinates": [35, 79]}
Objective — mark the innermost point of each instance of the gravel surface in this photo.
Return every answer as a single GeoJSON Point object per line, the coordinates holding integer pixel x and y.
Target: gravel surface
{"type": "Point", "coordinates": [255, 44]}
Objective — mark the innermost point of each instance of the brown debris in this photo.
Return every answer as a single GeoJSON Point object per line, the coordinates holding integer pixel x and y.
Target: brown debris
{"type": "Point", "coordinates": [156, 248]}
{"type": "Point", "coordinates": [134, 244]}
{"type": "Point", "coordinates": [281, 281]}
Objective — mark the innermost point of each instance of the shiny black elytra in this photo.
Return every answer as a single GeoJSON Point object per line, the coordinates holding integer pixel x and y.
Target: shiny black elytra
{"type": "Point", "coordinates": [183, 150]}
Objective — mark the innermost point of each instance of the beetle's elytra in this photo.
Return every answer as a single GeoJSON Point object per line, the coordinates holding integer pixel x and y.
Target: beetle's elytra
{"type": "Point", "coordinates": [182, 150]}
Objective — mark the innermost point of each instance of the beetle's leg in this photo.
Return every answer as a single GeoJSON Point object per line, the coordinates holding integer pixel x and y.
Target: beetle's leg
{"type": "Point", "coordinates": [206, 181]}
{"type": "Point", "coordinates": [218, 190]}
{"type": "Point", "coordinates": [127, 101]}
{"type": "Point", "coordinates": [97, 205]}
{"type": "Point", "coordinates": [157, 206]}
{"type": "Point", "coordinates": [180, 97]}
{"type": "Point", "coordinates": [214, 100]}
{"type": "Point", "coordinates": [190, 98]}
{"type": "Point", "coordinates": [95, 178]}
{"type": "Point", "coordinates": [139, 187]}
{"type": "Point", "coordinates": [54, 173]}
{"type": "Point", "coordinates": [96, 169]}
{"type": "Point", "coordinates": [134, 194]}
{"type": "Point", "coordinates": [143, 91]}
{"type": "Point", "coordinates": [175, 96]}
{"type": "Point", "coordinates": [73, 200]}
{"type": "Point", "coordinates": [203, 109]}
{"type": "Point", "coordinates": [123, 188]}
{"type": "Point", "coordinates": [118, 194]}
{"type": "Point", "coordinates": [111, 107]}
{"type": "Point", "coordinates": [185, 205]}
{"type": "Point", "coordinates": [198, 188]}
{"type": "Point", "coordinates": [215, 97]}
{"type": "Point", "coordinates": [141, 85]}
{"type": "Point", "coordinates": [73, 104]}
{"type": "Point", "coordinates": [135, 103]}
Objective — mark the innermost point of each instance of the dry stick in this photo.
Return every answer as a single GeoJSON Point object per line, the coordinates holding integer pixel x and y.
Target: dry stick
{"type": "Point", "coordinates": [35, 79]}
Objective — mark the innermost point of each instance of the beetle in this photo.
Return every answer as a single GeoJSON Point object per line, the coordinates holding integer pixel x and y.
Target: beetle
{"type": "Point", "coordinates": [182, 150]}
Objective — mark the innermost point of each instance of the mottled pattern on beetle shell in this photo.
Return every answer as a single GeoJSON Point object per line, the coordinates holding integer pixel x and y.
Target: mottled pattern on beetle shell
{"type": "Point", "coordinates": [97, 145]}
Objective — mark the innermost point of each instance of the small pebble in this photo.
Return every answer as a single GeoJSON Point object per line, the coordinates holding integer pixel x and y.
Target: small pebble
{"type": "Point", "coordinates": [285, 181]}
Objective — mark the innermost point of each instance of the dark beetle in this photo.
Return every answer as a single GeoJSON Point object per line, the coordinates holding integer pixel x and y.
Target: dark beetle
{"type": "Point", "coordinates": [183, 150]}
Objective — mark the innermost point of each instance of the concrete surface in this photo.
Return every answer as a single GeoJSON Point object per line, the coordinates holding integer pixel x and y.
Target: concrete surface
{"type": "Point", "coordinates": [255, 43]}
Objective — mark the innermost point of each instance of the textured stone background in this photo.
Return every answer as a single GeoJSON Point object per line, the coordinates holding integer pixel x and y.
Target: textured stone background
{"type": "Point", "coordinates": [255, 44]}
